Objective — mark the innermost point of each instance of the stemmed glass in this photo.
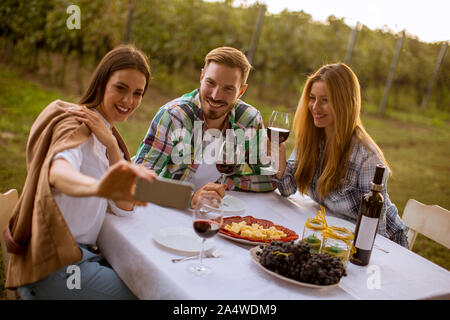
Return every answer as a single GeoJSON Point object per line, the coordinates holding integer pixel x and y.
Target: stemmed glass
{"type": "Point", "coordinates": [207, 223]}
{"type": "Point", "coordinates": [227, 160]}
{"type": "Point", "coordinates": [278, 130]}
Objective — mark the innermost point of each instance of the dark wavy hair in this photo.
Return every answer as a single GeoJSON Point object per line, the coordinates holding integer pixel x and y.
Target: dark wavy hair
{"type": "Point", "coordinates": [122, 57]}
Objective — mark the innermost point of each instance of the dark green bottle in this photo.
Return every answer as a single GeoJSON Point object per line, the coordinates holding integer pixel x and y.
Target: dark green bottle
{"type": "Point", "coordinates": [368, 219]}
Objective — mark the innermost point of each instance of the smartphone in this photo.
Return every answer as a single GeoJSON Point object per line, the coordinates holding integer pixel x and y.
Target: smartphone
{"type": "Point", "coordinates": [164, 192]}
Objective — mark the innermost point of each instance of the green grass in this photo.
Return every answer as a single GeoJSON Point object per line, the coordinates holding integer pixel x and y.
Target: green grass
{"type": "Point", "coordinates": [416, 145]}
{"type": "Point", "coordinates": [417, 148]}
{"type": "Point", "coordinates": [20, 103]}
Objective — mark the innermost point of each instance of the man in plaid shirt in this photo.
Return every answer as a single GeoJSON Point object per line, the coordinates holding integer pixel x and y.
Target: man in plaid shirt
{"type": "Point", "coordinates": [216, 105]}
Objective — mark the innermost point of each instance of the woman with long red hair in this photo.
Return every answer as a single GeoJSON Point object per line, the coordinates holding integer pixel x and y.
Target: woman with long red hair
{"type": "Point", "coordinates": [335, 158]}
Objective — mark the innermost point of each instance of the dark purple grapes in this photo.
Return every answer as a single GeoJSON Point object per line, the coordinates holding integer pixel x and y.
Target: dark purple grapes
{"type": "Point", "coordinates": [295, 261]}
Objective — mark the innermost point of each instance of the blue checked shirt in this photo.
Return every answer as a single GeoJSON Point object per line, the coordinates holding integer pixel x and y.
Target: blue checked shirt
{"type": "Point", "coordinates": [345, 201]}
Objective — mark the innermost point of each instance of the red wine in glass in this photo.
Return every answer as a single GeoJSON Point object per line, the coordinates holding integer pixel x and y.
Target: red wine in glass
{"type": "Point", "coordinates": [206, 228]}
{"type": "Point", "coordinates": [227, 169]}
{"type": "Point", "coordinates": [283, 134]}
{"type": "Point", "coordinates": [206, 222]}
{"type": "Point", "coordinates": [279, 123]}
{"type": "Point", "coordinates": [226, 166]}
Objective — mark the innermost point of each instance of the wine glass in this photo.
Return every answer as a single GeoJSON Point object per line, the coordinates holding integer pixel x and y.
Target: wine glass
{"type": "Point", "coordinates": [227, 159]}
{"type": "Point", "coordinates": [207, 223]}
{"type": "Point", "coordinates": [278, 130]}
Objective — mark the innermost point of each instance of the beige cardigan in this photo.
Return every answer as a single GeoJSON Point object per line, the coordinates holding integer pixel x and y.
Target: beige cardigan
{"type": "Point", "coordinates": [38, 238]}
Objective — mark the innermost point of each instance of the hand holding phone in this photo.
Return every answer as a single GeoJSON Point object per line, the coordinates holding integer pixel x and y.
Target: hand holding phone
{"type": "Point", "coordinates": [164, 192]}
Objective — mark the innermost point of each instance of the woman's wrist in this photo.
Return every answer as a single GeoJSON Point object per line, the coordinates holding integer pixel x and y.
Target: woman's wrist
{"type": "Point", "coordinates": [112, 144]}
{"type": "Point", "coordinates": [113, 152]}
{"type": "Point", "coordinates": [282, 161]}
{"type": "Point", "coordinates": [280, 172]}
{"type": "Point", "coordinates": [94, 189]}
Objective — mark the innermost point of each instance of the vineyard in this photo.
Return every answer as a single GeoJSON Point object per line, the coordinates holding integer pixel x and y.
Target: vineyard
{"type": "Point", "coordinates": [176, 35]}
{"type": "Point", "coordinates": [42, 59]}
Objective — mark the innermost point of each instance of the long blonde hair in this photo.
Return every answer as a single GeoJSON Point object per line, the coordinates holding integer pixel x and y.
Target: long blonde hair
{"type": "Point", "coordinates": [344, 99]}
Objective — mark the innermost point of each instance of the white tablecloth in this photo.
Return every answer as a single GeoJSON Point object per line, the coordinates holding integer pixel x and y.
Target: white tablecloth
{"type": "Point", "coordinates": [146, 267]}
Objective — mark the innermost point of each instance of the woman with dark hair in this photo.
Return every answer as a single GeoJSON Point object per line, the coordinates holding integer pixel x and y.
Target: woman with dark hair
{"type": "Point", "coordinates": [78, 169]}
{"type": "Point", "coordinates": [335, 158]}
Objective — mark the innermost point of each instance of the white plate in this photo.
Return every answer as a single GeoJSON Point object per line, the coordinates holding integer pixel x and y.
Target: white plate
{"type": "Point", "coordinates": [180, 239]}
{"type": "Point", "coordinates": [231, 205]}
{"type": "Point", "coordinates": [255, 259]}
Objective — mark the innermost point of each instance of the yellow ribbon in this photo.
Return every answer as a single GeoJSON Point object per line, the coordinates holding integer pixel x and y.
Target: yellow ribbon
{"type": "Point", "coordinates": [341, 233]}
{"type": "Point", "coordinates": [319, 222]}
{"type": "Point", "coordinates": [282, 253]}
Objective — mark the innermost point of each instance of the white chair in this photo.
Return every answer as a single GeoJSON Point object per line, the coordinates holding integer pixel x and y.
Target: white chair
{"type": "Point", "coordinates": [430, 220]}
{"type": "Point", "coordinates": [8, 201]}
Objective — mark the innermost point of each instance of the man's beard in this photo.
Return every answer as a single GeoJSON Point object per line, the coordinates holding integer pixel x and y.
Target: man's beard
{"type": "Point", "coordinates": [213, 114]}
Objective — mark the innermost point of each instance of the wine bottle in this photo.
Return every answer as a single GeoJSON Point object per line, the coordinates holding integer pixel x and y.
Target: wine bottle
{"type": "Point", "coordinates": [368, 219]}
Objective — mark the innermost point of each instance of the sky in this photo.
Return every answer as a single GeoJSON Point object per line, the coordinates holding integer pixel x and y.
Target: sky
{"type": "Point", "coordinates": [429, 20]}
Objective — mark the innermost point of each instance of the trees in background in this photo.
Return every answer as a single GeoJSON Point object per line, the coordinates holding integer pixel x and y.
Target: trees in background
{"type": "Point", "coordinates": [176, 34]}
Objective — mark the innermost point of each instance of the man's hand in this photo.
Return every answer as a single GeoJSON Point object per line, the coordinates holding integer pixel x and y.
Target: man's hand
{"type": "Point", "coordinates": [211, 190]}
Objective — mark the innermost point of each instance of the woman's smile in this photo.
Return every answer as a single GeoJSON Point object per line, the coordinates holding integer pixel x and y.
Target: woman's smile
{"type": "Point", "coordinates": [122, 110]}
{"type": "Point", "coordinates": [123, 94]}
{"type": "Point", "coordinates": [319, 106]}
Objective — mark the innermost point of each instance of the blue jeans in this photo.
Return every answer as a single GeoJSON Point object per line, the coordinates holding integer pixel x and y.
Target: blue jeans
{"type": "Point", "coordinates": [95, 281]}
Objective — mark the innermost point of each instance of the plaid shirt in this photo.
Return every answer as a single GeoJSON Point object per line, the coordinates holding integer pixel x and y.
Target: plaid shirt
{"type": "Point", "coordinates": [345, 201]}
{"type": "Point", "coordinates": [156, 151]}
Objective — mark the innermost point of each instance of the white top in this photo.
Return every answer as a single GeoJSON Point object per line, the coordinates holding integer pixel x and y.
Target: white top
{"type": "Point", "coordinates": [205, 173]}
{"type": "Point", "coordinates": [85, 216]}
{"type": "Point", "coordinates": [207, 170]}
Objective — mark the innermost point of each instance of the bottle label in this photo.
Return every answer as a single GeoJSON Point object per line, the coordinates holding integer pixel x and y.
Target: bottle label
{"type": "Point", "coordinates": [366, 233]}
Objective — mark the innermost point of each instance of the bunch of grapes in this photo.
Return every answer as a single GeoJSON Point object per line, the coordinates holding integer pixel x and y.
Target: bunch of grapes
{"type": "Point", "coordinates": [322, 269]}
{"type": "Point", "coordinates": [285, 258]}
{"type": "Point", "coordinates": [294, 260]}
